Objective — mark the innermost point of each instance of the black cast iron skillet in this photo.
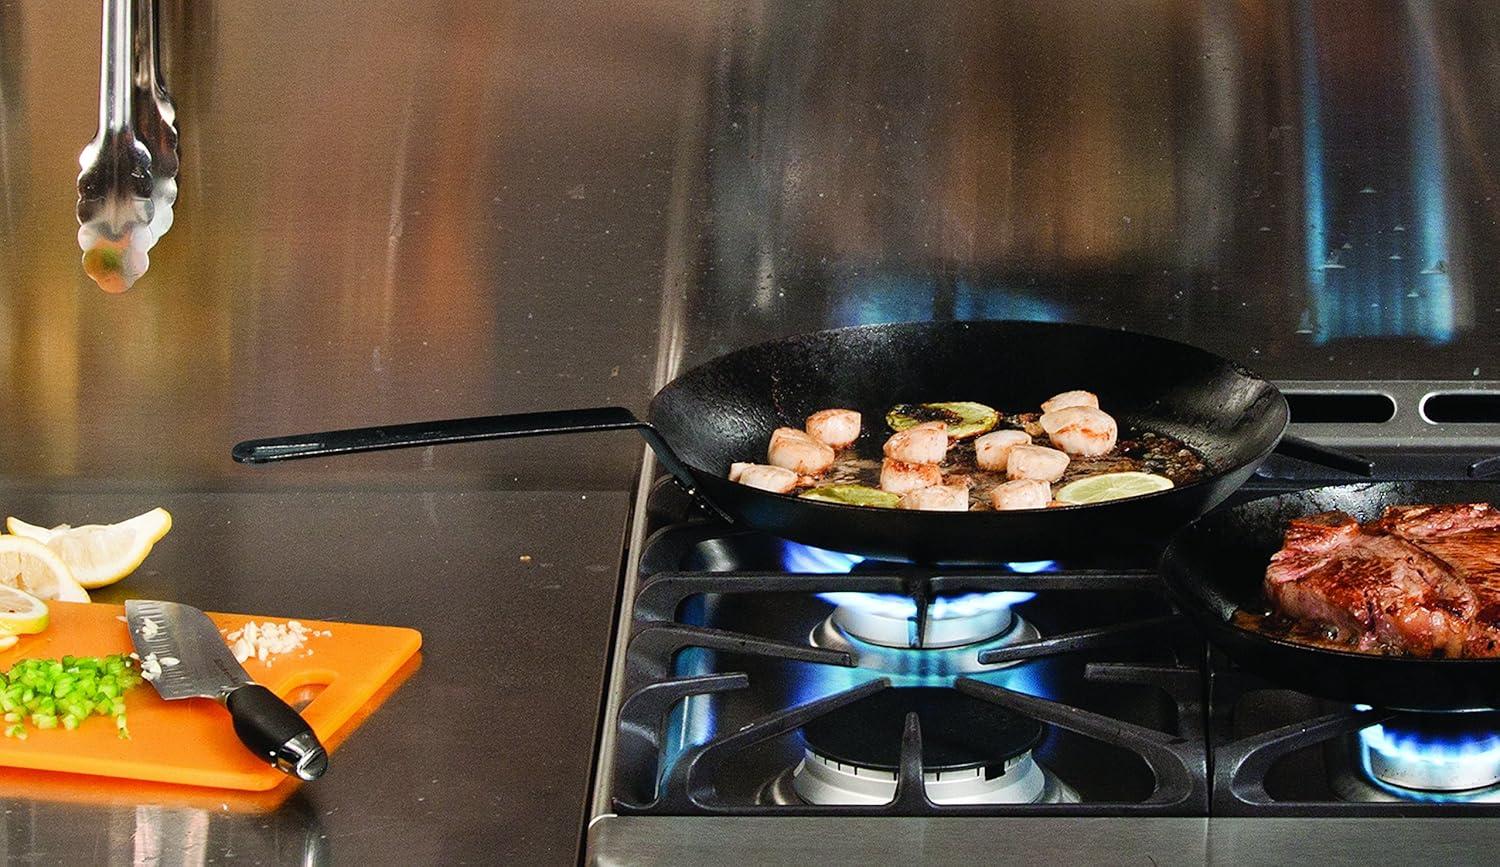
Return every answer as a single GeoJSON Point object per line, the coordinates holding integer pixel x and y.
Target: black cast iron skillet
{"type": "Point", "coordinates": [725, 410]}
{"type": "Point", "coordinates": [1218, 563]}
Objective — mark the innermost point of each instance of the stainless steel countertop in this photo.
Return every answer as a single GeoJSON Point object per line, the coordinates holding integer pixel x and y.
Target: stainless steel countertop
{"type": "Point", "coordinates": [482, 756]}
{"type": "Point", "coordinates": [387, 211]}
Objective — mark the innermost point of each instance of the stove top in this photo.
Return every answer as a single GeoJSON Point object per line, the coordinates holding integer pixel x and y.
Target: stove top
{"type": "Point", "coordinates": [735, 678]}
{"type": "Point", "coordinates": [762, 678]}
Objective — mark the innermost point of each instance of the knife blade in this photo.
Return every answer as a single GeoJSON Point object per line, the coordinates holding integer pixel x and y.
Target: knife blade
{"type": "Point", "coordinates": [196, 663]}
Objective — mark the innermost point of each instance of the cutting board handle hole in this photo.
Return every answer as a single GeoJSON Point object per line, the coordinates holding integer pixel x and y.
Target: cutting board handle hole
{"type": "Point", "coordinates": [303, 695]}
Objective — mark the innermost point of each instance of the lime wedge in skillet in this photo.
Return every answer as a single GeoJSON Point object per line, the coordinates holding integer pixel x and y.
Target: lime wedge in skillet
{"type": "Point", "coordinates": [853, 495]}
{"type": "Point", "coordinates": [964, 418]}
{"type": "Point", "coordinates": [1111, 486]}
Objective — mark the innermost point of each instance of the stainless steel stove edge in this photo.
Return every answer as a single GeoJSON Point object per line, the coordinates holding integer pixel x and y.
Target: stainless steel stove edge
{"type": "Point", "coordinates": [600, 800]}
{"type": "Point", "coordinates": [1049, 840]}
{"type": "Point", "coordinates": [906, 840]}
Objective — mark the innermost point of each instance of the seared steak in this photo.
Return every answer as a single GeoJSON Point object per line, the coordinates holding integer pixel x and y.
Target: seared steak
{"type": "Point", "coordinates": [1375, 591]}
{"type": "Point", "coordinates": [1466, 537]}
{"type": "Point", "coordinates": [1429, 522]}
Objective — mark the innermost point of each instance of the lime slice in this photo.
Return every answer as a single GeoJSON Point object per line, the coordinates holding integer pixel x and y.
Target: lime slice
{"type": "Point", "coordinates": [1111, 486]}
{"type": "Point", "coordinates": [28, 565]}
{"type": "Point", "coordinates": [964, 418]}
{"type": "Point", "coordinates": [853, 495]}
{"type": "Point", "coordinates": [21, 613]}
{"type": "Point", "coordinates": [100, 554]}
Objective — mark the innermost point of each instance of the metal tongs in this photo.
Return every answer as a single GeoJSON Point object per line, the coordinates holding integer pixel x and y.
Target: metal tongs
{"type": "Point", "coordinates": [128, 181]}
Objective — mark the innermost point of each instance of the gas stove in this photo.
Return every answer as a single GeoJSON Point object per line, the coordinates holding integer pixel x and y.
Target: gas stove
{"type": "Point", "coordinates": [767, 691]}
{"type": "Point", "coordinates": [759, 681]}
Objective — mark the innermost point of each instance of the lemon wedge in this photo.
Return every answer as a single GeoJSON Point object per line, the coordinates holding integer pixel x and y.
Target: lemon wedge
{"type": "Point", "coordinates": [28, 565]}
{"type": "Point", "coordinates": [21, 613]}
{"type": "Point", "coordinates": [98, 555]}
{"type": "Point", "coordinates": [1111, 486]}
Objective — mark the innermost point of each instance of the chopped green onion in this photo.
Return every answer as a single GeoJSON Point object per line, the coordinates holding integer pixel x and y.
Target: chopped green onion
{"type": "Point", "coordinates": [50, 692]}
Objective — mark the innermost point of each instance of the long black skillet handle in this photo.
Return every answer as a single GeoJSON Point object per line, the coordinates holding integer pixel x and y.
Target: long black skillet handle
{"type": "Point", "coordinates": [275, 732]}
{"type": "Point", "coordinates": [463, 430]}
{"type": "Point", "coordinates": [1307, 450]}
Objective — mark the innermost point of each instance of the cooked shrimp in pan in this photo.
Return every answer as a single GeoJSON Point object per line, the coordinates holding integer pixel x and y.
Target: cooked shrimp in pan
{"type": "Point", "coordinates": [775, 479]}
{"type": "Point", "coordinates": [938, 498]}
{"type": "Point", "coordinates": [926, 443]}
{"type": "Point", "coordinates": [799, 452]}
{"type": "Point", "coordinates": [992, 449]}
{"type": "Point", "coordinates": [1036, 462]}
{"type": "Point", "coordinates": [898, 477]}
{"type": "Point", "coordinates": [1021, 494]}
{"type": "Point", "coordinates": [838, 428]}
{"type": "Point", "coordinates": [1081, 430]}
{"type": "Point", "coordinates": [1070, 398]}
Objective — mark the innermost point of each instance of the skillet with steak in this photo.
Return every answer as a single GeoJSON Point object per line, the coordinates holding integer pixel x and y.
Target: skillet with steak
{"type": "Point", "coordinates": [1421, 580]}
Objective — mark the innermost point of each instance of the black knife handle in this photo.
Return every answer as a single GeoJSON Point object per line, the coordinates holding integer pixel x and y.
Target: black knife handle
{"type": "Point", "coordinates": [275, 732]}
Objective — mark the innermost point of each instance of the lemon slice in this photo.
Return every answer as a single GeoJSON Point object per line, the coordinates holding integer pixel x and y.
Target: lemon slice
{"type": "Point", "coordinates": [1111, 486]}
{"type": "Point", "coordinates": [853, 495]}
{"type": "Point", "coordinates": [7, 640]}
{"type": "Point", "coordinates": [28, 565]}
{"type": "Point", "coordinates": [100, 554]}
{"type": "Point", "coordinates": [21, 613]}
{"type": "Point", "coordinates": [964, 418]}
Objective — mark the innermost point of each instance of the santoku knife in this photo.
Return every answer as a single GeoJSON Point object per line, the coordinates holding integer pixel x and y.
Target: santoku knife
{"type": "Point", "coordinates": [204, 667]}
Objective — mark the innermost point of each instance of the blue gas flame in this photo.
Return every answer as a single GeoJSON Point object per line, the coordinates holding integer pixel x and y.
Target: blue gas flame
{"type": "Point", "coordinates": [1422, 749]}
{"type": "Point", "coordinates": [807, 559]}
{"type": "Point", "coordinates": [942, 608]}
{"type": "Point", "coordinates": [1425, 749]}
{"type": "Point", "coordinates": [820, 561]}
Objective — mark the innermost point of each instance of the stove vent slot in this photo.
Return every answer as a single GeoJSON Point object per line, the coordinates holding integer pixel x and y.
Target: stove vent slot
{"type": "Point", "coordinates": [1343, 407]}
{"type": "Point", "coordinates": [1468, 407]}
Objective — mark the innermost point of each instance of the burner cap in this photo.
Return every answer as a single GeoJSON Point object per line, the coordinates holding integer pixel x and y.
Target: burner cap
{"type": "Point", "coordinates": [958, 731]}
{"type": "Point", "coordinates": [1435, 752]}
{"type": "Point", "coordinates": [890, 620]}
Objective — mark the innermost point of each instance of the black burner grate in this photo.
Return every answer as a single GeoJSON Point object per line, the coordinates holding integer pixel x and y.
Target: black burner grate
{"type": "Point", "coordinates": [1324, 738]}
{"type": "Point", "coordinates": [653, 777]}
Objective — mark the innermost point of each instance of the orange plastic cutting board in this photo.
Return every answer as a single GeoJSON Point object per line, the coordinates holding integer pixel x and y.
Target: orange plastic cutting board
{"type": "Point", "coordinates": [192, 741]}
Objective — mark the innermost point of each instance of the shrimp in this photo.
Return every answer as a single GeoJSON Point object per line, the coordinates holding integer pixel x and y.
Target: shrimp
{"type": "Point", "coordinates": [798, 452]}
{"type": "Point", "coordinates": [778, 480]}
{"type": "Point", "coordinates": [1070, 398]}
{"type": "Point", "coordinates": [938, 498]}
{"type": "Point", "coordinates": [1036, 462]}
{"type": "Point", "coordinates": [993, 449]}
{"type": "Point", "coordinates": [898, 477]}
{"type": "Point", "coordinates": [834, 427]}
{"type": "Point", "coordinates": [1081, 430]}
{"type": "Point", "coordinates": [925, 443]}
{"type": "Point", "coordinates": [1021, 494]}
